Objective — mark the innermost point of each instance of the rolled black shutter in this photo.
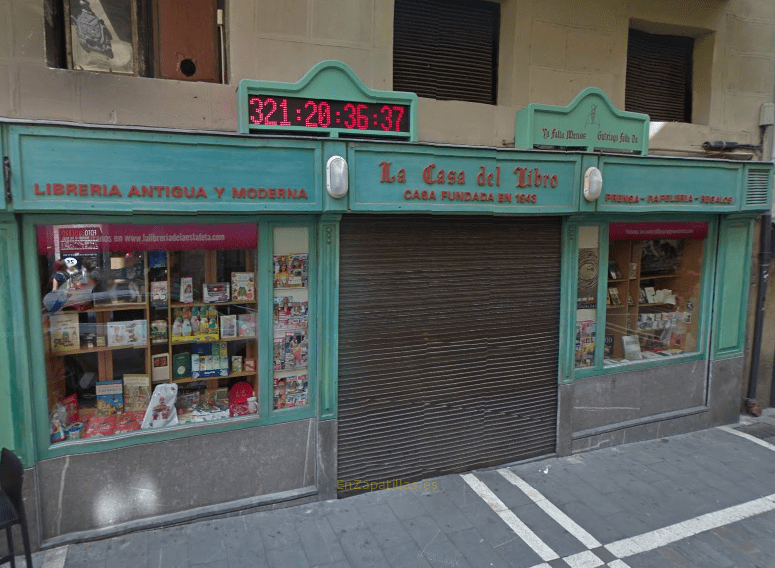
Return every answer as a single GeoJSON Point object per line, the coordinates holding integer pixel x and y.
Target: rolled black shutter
{"type": "Point", "coordinates": [446, 50]}
{"type": "Point", "coordinates": [659, 76]}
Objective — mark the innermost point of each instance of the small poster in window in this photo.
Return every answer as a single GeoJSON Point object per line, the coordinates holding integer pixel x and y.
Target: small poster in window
{"type": "Point", "coordinates": [64, 332]}
{"type": "Point", "coordinates": [246, 325]}
{"type": "Point", "coordinates": [631, 347]}
{"type": "Point", "coordinates": [159, 293]}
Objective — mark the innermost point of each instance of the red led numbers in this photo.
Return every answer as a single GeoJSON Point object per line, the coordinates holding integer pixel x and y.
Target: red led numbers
{"type": "Point", "coordinates": [326, 114]}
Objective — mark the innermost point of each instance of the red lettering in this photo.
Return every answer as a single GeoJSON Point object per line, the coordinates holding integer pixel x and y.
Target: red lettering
{"type": "Point", "coordinates": [408, 194]}
{"type": "Point", "coordinates": [237, 194]}
{"type": "Point", "coordinates": [72, 189]}
{"type": "Point", "coordinates": [386, 177]}
{"type": "Point", "coordinates": [440, 177]}
{"type": "Point", "coordinates": [189, 192]}
{"type": "Point", "coordinates": [252, 193]}
{"type": "Point", "coordinates": [427, 174]}
{"type": "Point", "coordinates": [147, 191]}
{"type": "Point", "coordinates": [37, 190]}
{"type": "Point", "coordinates": [451, 177]}
{"type": "Point", "coordinates": [177, 191]}
{"type": "Point", "coordinates": [302, 193]}
{"type": "Point", "coordinates": [59, 189]}
{"type": "Point", "coordinates": [271, 193]}
{"type": "Point", "coordinates": [201, 193]}
{"type": "Point", "coordinates": [83, 189]}
{"type": "Point", "coordinates": [219, 191]}
{"type": "Point", "coordinates": [291, 193]}
{"type": "Point", "coordinates": [133, 192]}
{"type": "Point", "coordinates": [262, 193]}
{"type": "Point", "coordinates": [114, 190]}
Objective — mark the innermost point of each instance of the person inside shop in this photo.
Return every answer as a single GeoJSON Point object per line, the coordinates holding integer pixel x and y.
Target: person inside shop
{"type": "Point", "coordinates": [60, 277]}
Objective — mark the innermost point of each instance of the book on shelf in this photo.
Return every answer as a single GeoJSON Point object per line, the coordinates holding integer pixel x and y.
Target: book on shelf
{"type": "Point", "coordinates": [159, 332]}
{"type": "Point", "coordinates": [243, 286]}
{"type": "Point", "coordinates": [228, 327]}
{"type": "Point", "coordinates": [651, 295]}
{"type": "Point", "coordinates": [110, 397]}
{"type": "Point", "coordinates": [159, 293]}
{"type": "Point", "coordinates": [64, 329]}
{"type": "Point", "coordinates": [631, 347]}
{"type": "Point", "coordinates": [209, 360]}
{"type": "Point", "coordinates": [127, 333]}
{"type": "Point", "coordinates": [608, 345]}
{"type": "Point", "coordinates": [633, 270]}
{"type": "Point", "coordinates": [187, 290]}
{"type": "Point", "coordinates": [181, 365]}
{"type": "Point", "coordinates": [100, 425]}
{"type": "Point", "coordinates": [246, 325]}
{"type": "Point", "coordinates": [613, 294]}
{"type": "Point", "coordinates": [160, 368]}
{"type": "Point", "coordinates": [137, 392]}
{"type": "Point", "coordinates": [613, 270]}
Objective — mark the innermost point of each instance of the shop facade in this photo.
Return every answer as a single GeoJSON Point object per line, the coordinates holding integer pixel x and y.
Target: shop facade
{"type": "Point", "coordinates": [333, 314]}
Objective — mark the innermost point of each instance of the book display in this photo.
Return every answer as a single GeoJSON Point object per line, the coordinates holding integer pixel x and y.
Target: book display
{"type": "Point", "coordinates": [662, 288]}
{"type": "Point", "coordinates": [147, 319]}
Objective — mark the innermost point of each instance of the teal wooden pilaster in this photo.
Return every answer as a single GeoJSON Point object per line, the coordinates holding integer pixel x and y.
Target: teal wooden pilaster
{"type": "Point", "coordinates": [328, 320]}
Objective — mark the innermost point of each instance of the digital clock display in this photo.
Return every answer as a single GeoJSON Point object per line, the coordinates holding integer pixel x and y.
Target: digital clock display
{"type": "Point", "coordinates": [325, 114]}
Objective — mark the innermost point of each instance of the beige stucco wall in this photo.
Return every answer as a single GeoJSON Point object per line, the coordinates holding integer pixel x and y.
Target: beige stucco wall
{"type": "Point", "coordinates": [550, 50]}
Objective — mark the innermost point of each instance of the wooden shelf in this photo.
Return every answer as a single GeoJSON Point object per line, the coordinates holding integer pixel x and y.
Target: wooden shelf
{"type": "Point", "coordinates": [110, 308]}
{"type": "Point", "coordinates": [214, 304]}
{"type": "Point", "coordinates": [98, 349]}
{"type": "Point", "coordinates": [202, 379]}
{"type": "Point", "coordinates": [658, 276]}
{"type": "Point", "coordinates": [200, 340]}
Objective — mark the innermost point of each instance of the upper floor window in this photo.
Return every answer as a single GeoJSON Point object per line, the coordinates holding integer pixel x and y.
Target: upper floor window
{"type": "Point", "coordinates": [147, 38]}
{"type": "Point", "coordinates": [659, 76]}
{"type": "Point", "coordinates": [446, 49]}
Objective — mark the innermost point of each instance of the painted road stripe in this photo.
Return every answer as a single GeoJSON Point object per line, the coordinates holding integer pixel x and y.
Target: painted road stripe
{"type": "Point", "coordinates": [586, 559]}
{"type": "Point", "coordinates": [679, 531]}
{"type": "Point", "coordinates": [753, 439]}
{"type": "Point", "coordinates": [550, 509]}
{"type": "Point", "coordinates": [520, 528]}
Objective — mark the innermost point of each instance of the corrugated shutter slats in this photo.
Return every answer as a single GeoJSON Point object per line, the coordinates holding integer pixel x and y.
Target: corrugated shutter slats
{"type": "Point", "coordinates": [446, 50]}
{"type": "Point", "coordinates": [448, 344]}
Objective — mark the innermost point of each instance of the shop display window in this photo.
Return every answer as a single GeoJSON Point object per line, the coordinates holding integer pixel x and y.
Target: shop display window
{"type": "Point", "coordinates": [653, 291]}
{"type": "Point", "coordinates": [148, 326]}
{"type": "Point", "coordinates": [290, 381]}
{"type": "Point", "coordinates": [586, 298]}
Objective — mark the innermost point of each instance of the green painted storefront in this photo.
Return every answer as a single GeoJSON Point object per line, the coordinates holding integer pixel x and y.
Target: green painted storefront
{"type": "Point", "coordinates": [64, 175]}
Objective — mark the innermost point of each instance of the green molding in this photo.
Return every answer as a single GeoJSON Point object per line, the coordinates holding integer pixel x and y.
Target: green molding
{"type": "Point", "coordinates": [15, 407]}
{"type": "Point", "coordinates": [733, 278]}
{"type": "Point", "coordinates": [328, 306]}
{"type": "Point", "coordinates": [326, 80]}
{"type": "Point", "coordinates": [590, 121]}
{"type": "Point", "coordinates": [568, 296]}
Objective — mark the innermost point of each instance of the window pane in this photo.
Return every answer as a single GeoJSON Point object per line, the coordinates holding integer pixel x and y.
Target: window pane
{"type": "Point", "coordinates": [586, 309]}
{"type": "Point", "coordinates": [654, 288]}
{"type": "Point", "coordinates": [147, 326]}
{"type": "Point", "coordinates": [101, 35]}
{"type": "Point", "coordinates": [291, 315]}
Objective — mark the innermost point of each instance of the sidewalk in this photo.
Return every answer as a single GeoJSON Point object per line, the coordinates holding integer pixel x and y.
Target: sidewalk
{"type": "Point", "coordinates": [705, 499]}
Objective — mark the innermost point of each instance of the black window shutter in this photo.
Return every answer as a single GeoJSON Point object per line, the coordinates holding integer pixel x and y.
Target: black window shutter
{"type": "Point", "coordinates": [659, 76]}
{"type": "Point", "coordinates": [446, 49]}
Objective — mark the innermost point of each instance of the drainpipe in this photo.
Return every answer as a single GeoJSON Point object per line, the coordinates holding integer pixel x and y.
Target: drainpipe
{"type": "Point", "coordinates": [761, 297]}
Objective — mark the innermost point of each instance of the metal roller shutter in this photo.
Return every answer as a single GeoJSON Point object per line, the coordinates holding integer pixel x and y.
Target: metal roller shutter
{"type": "Point", "coordinates": [448, 344]}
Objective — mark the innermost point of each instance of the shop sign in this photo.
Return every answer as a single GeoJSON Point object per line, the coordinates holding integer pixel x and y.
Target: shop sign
{"type": "Point", "coordinates": [455, 181]}
{"type": "Point", "coordinates": [80, 239]}
{"type": "Point", "coordinates": [669, 185]}
{"type": "Point", "coordinates": [330, 100]}
{"type": "Point", "coordinates": [589, 123]}
{"type": "Point", "coordinates": [657, 230]}
{"type": "Point", "coordinates": [121, 171]}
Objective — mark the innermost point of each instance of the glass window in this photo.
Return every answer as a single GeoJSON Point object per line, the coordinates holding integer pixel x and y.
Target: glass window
{"type": "Point", "coordinates": [586, 297]}
{"type": "Point", "coordinates": [147, 326]}
{"type": "Point", "coordinates": [290, 386]}
{"type": "Point", "coordinates": [654, 287]}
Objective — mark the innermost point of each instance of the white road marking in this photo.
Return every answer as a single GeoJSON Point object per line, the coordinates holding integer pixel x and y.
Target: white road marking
{"type": "Point", "coordinates": [550, 509]}
{"type": "Point", "coordinates": [667, 535]}
{"type": "Point", "coordinates": [55, 558]}
{"type": "Point", "coordinates": [520, 528]}
{"type": "Point", "coordinates": [753, 439]}
{"type": "Point", "coordinates": [586, 559]}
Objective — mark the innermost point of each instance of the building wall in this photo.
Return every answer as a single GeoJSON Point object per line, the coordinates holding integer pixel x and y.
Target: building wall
{"type": "Point", "coordinates": [549, 51]}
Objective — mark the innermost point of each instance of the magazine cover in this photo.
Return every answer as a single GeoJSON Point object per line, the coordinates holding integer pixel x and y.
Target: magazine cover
{"type": "Point", "coordinates": [298, 271]}
{"type": "Point", "coordinates": [282, 272]}
{"type": "Point", "coordinates": [110, 397]}
{"type": "Point", "coordinates": [243, 286]}
{"type": "Point", "coordinates": [299, 315]}
{"type": "Point", "coordinates": [295, 391]}
{"type": "Point", "coordinates": [129, 421]}
{"type": "Point", "coordinates": [283, 308]}
{"type": "Point", "coordinates": [631, 346]}
{"type": "Point", "coordinates": [159, 293]}
{"type": "Point", "coordinates": [279, 353]}
{"type": "Point", "coordinates": [137, 392]}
